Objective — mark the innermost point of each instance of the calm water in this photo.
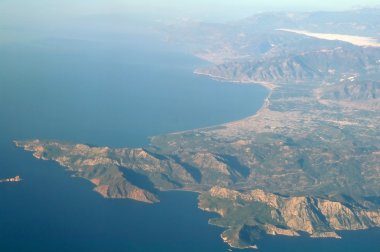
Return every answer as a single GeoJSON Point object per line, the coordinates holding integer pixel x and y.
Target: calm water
{"type": "Point", "coordinates": [51, 211]}
{"type": "Point", "coordinates": [112, 93]}
{"type": "Point", "coordinates": [108, 93]}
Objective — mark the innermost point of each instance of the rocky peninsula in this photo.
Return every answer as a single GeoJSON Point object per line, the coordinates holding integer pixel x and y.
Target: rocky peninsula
{"type": "Point", "coordinates": [307, 162]}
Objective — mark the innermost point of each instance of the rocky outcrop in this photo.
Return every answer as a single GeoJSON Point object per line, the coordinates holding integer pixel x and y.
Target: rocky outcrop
{"type": "Point", "coordinates": [287, 215]}
{"type": "Point", "coordinates": [11, 180]}
{"type": "Point", "coordinates": [247, 215]}
{"type": "Point", "coordinates": [99, 165]}
{"type": "Point", "coordinates": [208, 161]}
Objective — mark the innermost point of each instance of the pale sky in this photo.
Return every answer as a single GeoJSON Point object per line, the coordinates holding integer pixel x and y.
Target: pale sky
{"type": "Point", "coordinates": [21, 19]}
{"type": "Point", "coordinates": [201, 9]}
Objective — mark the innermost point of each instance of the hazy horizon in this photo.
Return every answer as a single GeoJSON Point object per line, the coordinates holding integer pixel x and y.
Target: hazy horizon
{"type": "Point", "coordinates": [14, 11]}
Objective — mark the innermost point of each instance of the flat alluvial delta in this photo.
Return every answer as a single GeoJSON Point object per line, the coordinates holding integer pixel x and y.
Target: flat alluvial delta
{"type": "Point", "coordinates": [305, 164]}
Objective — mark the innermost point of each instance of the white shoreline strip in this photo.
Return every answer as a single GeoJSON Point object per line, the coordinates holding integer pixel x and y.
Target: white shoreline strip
{"type": "Point", "coordinates": [355, 40]}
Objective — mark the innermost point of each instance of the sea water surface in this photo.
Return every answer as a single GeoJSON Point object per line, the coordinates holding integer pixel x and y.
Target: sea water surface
{"type": "Point", "coordinates": [113, 93]}
{"type": "Point", "coordinates": [106, 93]}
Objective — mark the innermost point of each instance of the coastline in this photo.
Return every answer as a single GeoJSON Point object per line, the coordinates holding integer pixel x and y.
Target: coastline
{"type": "Point", "coordinates": [263, 110]}
{"type": "Point", "coordinates": [270, 87]}
{"type": "Point", "coordinates": [267, 85]}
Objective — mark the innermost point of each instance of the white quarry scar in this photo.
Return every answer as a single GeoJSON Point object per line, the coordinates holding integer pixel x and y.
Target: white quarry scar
{"type": "Point", "coordinates": [355, 40]}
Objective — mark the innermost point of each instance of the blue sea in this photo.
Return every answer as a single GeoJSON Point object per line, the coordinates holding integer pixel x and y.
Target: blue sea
{"type": "Point", "coordinates": [117, 93]}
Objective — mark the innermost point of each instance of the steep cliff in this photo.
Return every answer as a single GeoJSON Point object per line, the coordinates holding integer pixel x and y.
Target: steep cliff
{"type": "Point", "coordinates": [250, 214]}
